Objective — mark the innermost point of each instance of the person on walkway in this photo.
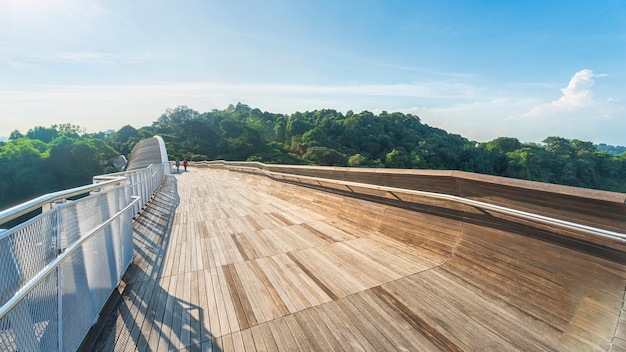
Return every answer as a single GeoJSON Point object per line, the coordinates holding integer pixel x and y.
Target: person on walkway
{"type": "Point", "coordinates": [185, 164]}
{"type": "Point", "coordinates": [177, 166]}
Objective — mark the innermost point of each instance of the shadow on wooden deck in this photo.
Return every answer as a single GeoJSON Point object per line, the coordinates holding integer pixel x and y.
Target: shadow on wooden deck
{"type": "Point", "coordinates": [146, 313]}
{"type": "Point", "coordinates": [251, 263]}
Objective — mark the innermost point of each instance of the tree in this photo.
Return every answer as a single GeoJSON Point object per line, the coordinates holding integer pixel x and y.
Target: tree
{"type": "Point", "coordinates": [22, 171]}
{"type": "Point", "coordinates": [15, 135]}
{"type": "Point", "coordinates": [67, 129]}
{"type": "Point", "coordinates": [280, 127]}
{"type": "Point", "coordinates": [327, 137]}
{"type": "Point", "coordinates": [356, 160]}
{"type": "Point", "coordinates": [296, 126]}
{"type": "Point", "coordinates": [503, 145]}
{"type": "Point", "coordinates": [558, 145]}
{"type": "Point", "coordinates": [43, 134]}
{"type": "Point", "coordinates": [396, 159]}
{"type": "Point", "coordinates": [517, 166]}
{"type": "Point", "coordinates": [124, 139]}
{"type": "Point", "coordinates": [174, 116]}
{"type": "Point", "coordinates": [315, 137]}
{"type": "Point", "coordinates": [74, 161]}
{"type": "Point", "coordinates": [325, 157]}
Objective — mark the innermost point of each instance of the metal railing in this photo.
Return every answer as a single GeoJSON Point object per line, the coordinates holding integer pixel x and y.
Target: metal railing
{"type": "Point", "coordinates": [58, 268]}
{"type": "Point", "coordinates": [541, 219]}
{"type": "Point", "coordinates": [142, 182]}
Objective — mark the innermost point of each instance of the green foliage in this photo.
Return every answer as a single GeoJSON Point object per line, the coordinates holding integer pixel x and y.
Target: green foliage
{"type": "Point", "coordinates": [43, 134]}
{"type": "Point", "coordinates": [68, 129]}
{"type": "Point", "coordinates": [50, 159]}
{"type": "Point", "coordinates": [22, 171]}
{"type": "Point", "coordinates": [325, 156]}
{"type": "Point", "coordinates": [356, 160]}
{"type": "Point", "coordinates": [15, 135]}
{"type": "Point", "coordinates": [503, 145]}
{"type": "Point", "coordinates": [397, 140]}
{"type": "Point", "coordinates": [315, 137]}
{"type": "Point", "coordinates": [124, 139]}
{"type": "Point", "coordinates": [174, 116]}
{"type": "Point", "coordinates": [611, 149]}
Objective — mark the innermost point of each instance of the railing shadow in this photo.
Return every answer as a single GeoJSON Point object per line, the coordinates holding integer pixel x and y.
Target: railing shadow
{"type": "Point", "coordinates": [146, 316]}
{"type": "Point", "coordinates": [483, 218]}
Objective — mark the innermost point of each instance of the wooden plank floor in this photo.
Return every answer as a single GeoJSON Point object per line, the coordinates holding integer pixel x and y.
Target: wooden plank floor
{"type": "Point", "coordinates": [223, 265]}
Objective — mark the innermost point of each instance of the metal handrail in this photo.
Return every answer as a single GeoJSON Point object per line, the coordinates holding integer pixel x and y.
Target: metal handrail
{"type": "Point", "coordinates": [546, 220]}
{"type": "Point", "coordinates": [121, 173]}
{"type": "Point", "coordinates": [39, 202]}
{"type": "Point", "coordinates": [47, 271]}
{"type": "Point", "coordinates": [101, 181]}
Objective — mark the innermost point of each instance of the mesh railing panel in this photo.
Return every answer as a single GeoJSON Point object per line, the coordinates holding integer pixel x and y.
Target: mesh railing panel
{"type": "Point", "coordinates": [67, 261]}
{"type": "Point", "coordinates": [25, 250]}
{"type": "Point", "coordinates": [87, 276]}
{"type": "Point", "coordinates": [91, 273]}
{"type": "Point", "coordinates": [77, 308]}
{"type": "Point", "coordinates": [32, 325]}
{"type": "Point", "coordinates": [81, 216]}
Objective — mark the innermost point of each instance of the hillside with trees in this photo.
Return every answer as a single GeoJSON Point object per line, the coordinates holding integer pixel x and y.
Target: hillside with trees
{"type": "Point", "coordinates": [393, 140]}
{"type": "Point", "coordinates": [611, 149]}
{"type": "Point", "coordinates": [49, 159]}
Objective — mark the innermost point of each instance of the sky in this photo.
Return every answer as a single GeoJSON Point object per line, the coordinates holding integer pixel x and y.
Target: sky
{"type": "Point", "coordinates": [481, 69]}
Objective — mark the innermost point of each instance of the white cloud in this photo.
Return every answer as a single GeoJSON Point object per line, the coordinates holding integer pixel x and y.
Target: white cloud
{"type": "Point", "coordinates": [78, 57]}
{"type": "Point", "coordinates": [578, 95]}
{"type": "Point", "coordinates": [578, 92]}
{"type": "Point", "coordinates": [482, 120]}
{"type": "Point", "coordinates": [577, 113]}
{"type": "Point", "coordinates": [23, 57]}
{"type": "Point", "coordinates": [427, 71]}
{"type": "Point", "coordinates": [474, 112]}
{"type": "Point", "coordinates": [112, 106]}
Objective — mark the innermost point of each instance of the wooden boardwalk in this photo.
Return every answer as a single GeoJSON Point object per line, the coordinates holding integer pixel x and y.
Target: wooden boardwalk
{"type": "Point", "coordinates": [227, 261]}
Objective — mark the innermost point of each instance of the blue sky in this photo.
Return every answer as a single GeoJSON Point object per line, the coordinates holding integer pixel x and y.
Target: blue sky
{"type": "Point", "coordinates": [482, 69]}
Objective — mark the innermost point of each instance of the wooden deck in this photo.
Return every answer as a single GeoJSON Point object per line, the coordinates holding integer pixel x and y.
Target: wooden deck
{"type": "Point", "coordinates": [234, 262]}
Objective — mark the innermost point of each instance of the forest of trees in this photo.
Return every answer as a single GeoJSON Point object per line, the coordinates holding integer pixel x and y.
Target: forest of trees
{"type": "Point", "coordinates": [47, 159]}
{"type": "Point", "coordinates": [611, 149]}
{"type": "Point", "coordinates": [50, 159]}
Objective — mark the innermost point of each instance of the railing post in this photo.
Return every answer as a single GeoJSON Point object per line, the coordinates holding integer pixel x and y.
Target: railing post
{"type": "Point", "coordinates": [146, 185]}
{"type": "Point", "coordinates": [59, 283]}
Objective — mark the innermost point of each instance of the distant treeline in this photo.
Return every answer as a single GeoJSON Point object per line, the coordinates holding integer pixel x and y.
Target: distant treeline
{"type": "Point", "coordinates": [393, 140]}
{"type": "Point", "coordinates": [47, 159]}
{"type": "Point", "coordinates": [50, 159]}
{"type": "Point", "coordinates": [613, 150]}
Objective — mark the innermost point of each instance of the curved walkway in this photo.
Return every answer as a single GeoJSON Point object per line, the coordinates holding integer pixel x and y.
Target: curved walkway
{"type": "Point", "coordinates": [225, 262]}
